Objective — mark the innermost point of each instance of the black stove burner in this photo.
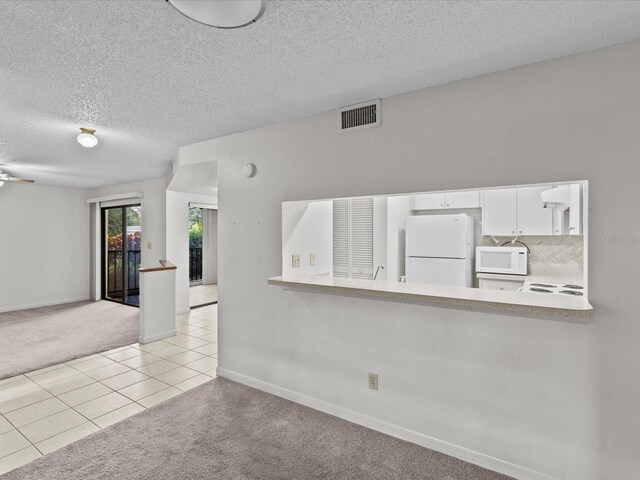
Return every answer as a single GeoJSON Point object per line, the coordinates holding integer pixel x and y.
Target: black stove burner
{"type": "Point", "coordinates": [543, 290]}
{"type": "Point", "coordinates": [570, 292]}
{"type": "Point", "coordinates": [575, 287]}
{"type": "Point", "coordinates": [543, 285]}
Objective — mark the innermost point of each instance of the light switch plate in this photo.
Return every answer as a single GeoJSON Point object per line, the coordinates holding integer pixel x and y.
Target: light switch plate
{"type": "Point", "coordinates": [312, 259]}
{"type": "Point", "coordinates": [148, 245]}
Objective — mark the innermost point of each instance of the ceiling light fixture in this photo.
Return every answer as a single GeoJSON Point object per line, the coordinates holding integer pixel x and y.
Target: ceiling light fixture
{"type": "Point", "coordinates": [87, 138]}
{"type": "Point", "coordinates": [221, 13]}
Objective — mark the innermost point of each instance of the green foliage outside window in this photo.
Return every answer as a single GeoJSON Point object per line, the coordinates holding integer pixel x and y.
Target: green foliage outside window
{"type": "Point", "coordinates": [195, 228]}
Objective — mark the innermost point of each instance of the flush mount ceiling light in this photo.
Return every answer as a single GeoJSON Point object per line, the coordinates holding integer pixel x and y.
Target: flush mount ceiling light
{"type": "Point", "coordinates": [87, 138]}
{"type": "Point", "coordinates": [221, 13]}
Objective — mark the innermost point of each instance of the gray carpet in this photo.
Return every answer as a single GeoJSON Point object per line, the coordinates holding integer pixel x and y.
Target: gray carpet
{"type": "Point", "coordinates": [226, 431]}
{"type": "Point", "coordinates": [39, 337]}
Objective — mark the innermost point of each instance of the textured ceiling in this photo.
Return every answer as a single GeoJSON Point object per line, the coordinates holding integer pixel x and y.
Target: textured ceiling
{"type": "Point", "coordinates": [150, 80]}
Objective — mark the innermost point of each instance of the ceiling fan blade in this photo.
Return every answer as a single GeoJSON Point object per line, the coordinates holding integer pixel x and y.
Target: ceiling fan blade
{"type": "Point", "coordinates": [20, 180]}
{"type": "Point", "coordinates": [4, 177]}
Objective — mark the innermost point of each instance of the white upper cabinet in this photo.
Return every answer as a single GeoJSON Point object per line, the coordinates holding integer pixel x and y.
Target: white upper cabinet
{"type": "Point", "coordinates": [516, 211]}
{"type": "Point", "coordinates": [428, 201]}
{"type": "Point", "coordinates": [499, 212]}
{"type": "Point", "coordinates": [575, 209]}
{"type": "Point", "coordinates": [436, 201]}
{"type": "Point", "coordinates": [508, 211]}
{"type": "Point", "coordinates": [465, 199]}
{"type": "Point", "coordinates": [568, 221]}
{"type": "Point", "coordinates": [533, 218]}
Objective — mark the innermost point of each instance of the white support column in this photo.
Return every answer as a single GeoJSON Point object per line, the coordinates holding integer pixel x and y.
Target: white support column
{"type": "Point", "coordinates": [157, 302]}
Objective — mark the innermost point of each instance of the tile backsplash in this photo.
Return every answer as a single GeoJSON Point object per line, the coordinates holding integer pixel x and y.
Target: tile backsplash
{"type": "Point", "coordinates": [556, 251]}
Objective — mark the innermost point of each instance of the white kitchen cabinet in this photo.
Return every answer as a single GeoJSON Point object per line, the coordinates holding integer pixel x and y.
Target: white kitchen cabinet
{"type": "Point", "coordinates": [532, 217]}
{"type": "Point", "coordinates": [465, 199]}
{"type": "Point", "coordinates": [495, 284]}
{"type": "Point", "coordinates": [437, 201]}
{"type": "Point", "coordinates": [516, 211]}
{"type": "Point", "coordinates": [428, 201]}
{"type": "Point", "coordinates": [568, 221]}
{"type": "Point", "coordinates": [500, 212]}
{"type": "Point", "coordinates": [575, 209]}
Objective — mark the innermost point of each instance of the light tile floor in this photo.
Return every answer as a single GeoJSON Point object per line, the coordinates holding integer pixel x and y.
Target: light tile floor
{"type": "Point", "coordinates": [201, 294]}
{"type": "Point", "coordinates": [45, 410]}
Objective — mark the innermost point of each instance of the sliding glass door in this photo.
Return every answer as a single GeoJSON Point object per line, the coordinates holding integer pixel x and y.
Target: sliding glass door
{"type": "Point", "coordinates": [203, 274]}
{"type": "Point", "coordinates": [195, 246]}
{"type": "Point", "coordinates": [121, 254]}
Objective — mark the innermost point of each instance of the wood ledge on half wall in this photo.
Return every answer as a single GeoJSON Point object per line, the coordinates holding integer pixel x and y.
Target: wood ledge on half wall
{"type": "Point", "coordinates": [165, 265]}
{"type": "Point", "coordinates": [522, 303]}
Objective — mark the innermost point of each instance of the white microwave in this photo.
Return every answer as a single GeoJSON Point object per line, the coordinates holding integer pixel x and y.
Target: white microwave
{"type": "Point", "coordinates": [509, 260]}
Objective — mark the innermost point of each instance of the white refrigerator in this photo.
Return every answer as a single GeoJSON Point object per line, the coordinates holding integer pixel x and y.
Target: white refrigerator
{"type": "Point", "coordinates": [439, 249]}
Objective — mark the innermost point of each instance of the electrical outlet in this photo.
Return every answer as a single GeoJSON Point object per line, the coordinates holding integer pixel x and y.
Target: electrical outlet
{"type": "Point", "coordinates": [312, 259]}
{"type": "Point", "coordinates": [373, 381]}
{"type": "Point", "coordinates": [148, 245]}
{"type": "Point", "coordinates": [295, 261]}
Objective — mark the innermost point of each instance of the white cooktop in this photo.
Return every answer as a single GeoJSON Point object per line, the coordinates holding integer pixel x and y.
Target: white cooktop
{"type": "Point", "coordinates": [569, 289]}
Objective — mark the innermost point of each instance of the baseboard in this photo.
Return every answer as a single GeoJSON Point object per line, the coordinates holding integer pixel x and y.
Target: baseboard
{"type": "Point", "coordinates": [156, 337]}
{"type": "Point", "coordinates": [43, 304]}
{"type": "Point", "coordinates": [432, 443]}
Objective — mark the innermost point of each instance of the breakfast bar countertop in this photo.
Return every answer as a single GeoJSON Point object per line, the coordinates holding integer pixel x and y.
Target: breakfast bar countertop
{"type": "Point", "coordinates": [441, 294]}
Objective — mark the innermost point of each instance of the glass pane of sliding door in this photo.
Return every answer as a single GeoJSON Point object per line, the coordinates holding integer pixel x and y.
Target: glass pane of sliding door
{"type": "Point", "coordinates": [113, 279]}
{"type": "Point", "coordinates": [133, 254]}
{"type": "Point", "coordinates": [121, 252]}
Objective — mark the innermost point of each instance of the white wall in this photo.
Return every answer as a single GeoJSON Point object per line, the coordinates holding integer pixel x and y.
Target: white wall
{"type": "Point", "coordinates": [520, 393]}
{"type": "Point", "coordinates": [44, 246]}
{"type": "Point", "coordinates": [209, 246]}
{"type": "Point", "coordinates": [307, 228]}
{"type": "Point", "coordinates": [177, 237]}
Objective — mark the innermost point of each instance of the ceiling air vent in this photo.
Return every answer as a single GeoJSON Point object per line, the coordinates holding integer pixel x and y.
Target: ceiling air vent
{"type": "Point", "coordinates": [357, 117]}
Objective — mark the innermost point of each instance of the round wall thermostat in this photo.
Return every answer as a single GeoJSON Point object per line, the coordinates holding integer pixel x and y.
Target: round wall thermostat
{"type": "Point", "coordinates": [249, 170]}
